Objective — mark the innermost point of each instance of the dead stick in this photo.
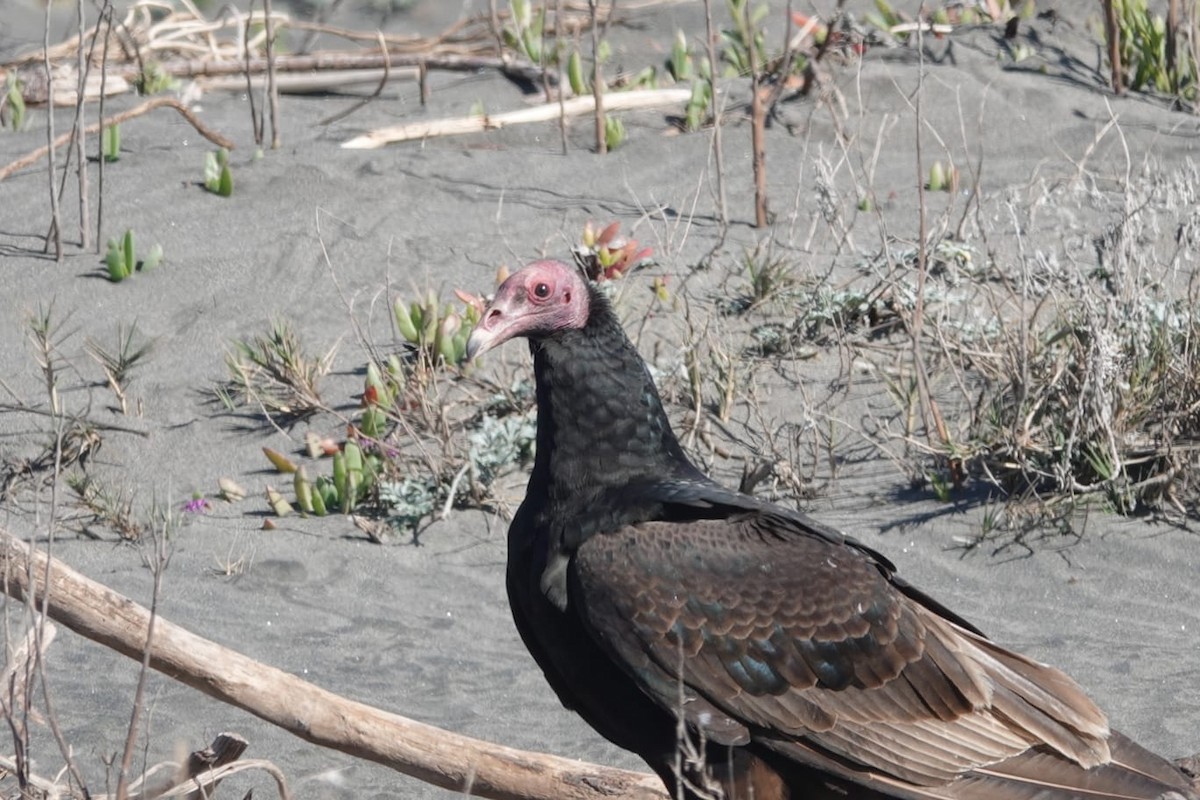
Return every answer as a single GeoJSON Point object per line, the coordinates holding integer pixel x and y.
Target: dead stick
{"type": "Point", "coordinates": [558, 64]}
{"type": "Point", "coordinates": [1170, 44]}
{"type": "Point", "coordinates": [387, 73]}
{"type": "Point", "coordinates": [106, 13]}
{"type": "Point", "coordinates": [255, 119]}
{"type": "Point", "coordinates": [598, 85]}
{"type": "Point", "coordinates": [430, 754]}
{"type": "Point", "coordinates": [929, 404]}
{"type": "Point", "coordinates": [52, 145]}
{"type": "Point", "coordinates": [758, 124]}
{"type": "Point", "coordinates": [710, 35]}
{"type": "Point", "coordinates": [272, 89]}
{"type": "Point", "coordinates": [81, 172]}
{"type": "Point", "coordinates": [117, 119]}
{"type": "Point", "coordinates": [1112, 28]}
{"type": "Point", "coordinates": [35, 93]}
{"type": "Point", "coordinates": [495, 20]}
{"type": "Point", "coordinates": [475, 123]}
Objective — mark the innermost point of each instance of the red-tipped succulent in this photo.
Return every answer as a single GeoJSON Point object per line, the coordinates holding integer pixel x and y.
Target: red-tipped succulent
{"type": "Point", "coordinates": [606, 255]}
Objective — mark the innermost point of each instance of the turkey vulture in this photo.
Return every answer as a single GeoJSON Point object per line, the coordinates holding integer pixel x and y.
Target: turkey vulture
{"type": "Point", "coordinates": [742, 649]}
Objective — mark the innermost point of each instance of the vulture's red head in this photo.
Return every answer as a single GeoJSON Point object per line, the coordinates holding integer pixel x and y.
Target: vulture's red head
{"type": "Point", "coordinates": [537, 300]}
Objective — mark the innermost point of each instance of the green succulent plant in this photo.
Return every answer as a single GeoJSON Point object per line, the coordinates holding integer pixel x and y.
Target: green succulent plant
{"type": "Point", "coordinates": [218, 178]}
{"type": "Point", "coordinates": [122, 261]}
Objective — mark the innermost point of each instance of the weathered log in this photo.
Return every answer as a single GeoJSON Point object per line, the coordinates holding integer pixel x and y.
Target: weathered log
{"type": "Point", "coordinates": [435, 756]}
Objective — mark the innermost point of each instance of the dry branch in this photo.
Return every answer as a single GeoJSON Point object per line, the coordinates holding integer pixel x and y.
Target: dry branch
{"type": "Point", "coordinates": [14, 681]}
{"type": "Point", "coordinates": [35, 92]}
{"type": "Point", "coordinates": [620, 101]}
{"type": "Point", "coordinates": [197, 777]}
{"type": "Point", "coordinates": [1112, 31]}
{"type": "Point", "coordinates": [137, 111]}
{"type": "Point", "coordinates": [430, 754]}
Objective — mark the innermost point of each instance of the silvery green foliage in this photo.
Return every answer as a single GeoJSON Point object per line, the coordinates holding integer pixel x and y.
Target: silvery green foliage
{"type": "Point", "coordinates": [501, 441]}
{"type": "Point", "coordinates": [408, 501]}
{"type": "Point", "coordinates": [497, 443]}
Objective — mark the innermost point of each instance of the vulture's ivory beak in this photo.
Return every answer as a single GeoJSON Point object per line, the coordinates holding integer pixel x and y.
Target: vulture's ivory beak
{"type": "Point", "coordinates": [480, 341]}
{"type": "Point", "coordinates": [497, 325]}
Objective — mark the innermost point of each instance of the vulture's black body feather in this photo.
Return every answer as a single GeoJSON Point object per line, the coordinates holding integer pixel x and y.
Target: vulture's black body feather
{"type": "Point", "coordinates": [798, 663]}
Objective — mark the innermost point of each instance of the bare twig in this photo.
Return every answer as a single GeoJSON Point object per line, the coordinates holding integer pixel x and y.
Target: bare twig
{"type": "Point", "coordinates": [207, 72]}
{"type": "Point", "coordinates": [272, 89]}
{"type": "Point", "coordinates": [256, 122]}
{"type": "Point", "coordinates": [597, 84]}
{"type": "Point", "coordinates": [387, 73]}
{"type": "Point", "coordinates": [562, 116]}
{"type": "Point", "coordinates": [85, 221]}
{"type": "Point", "coordinates": [1112, 30]}
{"type": "Point", "coordinates": [137, 111]}
{"type": "Point", "coordinates": [1171, 44]}
{"type": "Point", "coordinates": [15, 695]}
{"type": "Point", "coordinates": [719, 159]}
{"type": "Point", "coordinates": [928, 404]}
{"type": "Point", "coordinates": [51, 144]}
{"type": "Point", "coordinates": [159, 560]}
{"type": "Point", "coordinates": [106, 15]}
{"type": "Point", "coordinates": [758, 123]}
{"type": "Point", "coordinates": [49, 788]}
{"type": "Point", "coordinates": [496, 30]}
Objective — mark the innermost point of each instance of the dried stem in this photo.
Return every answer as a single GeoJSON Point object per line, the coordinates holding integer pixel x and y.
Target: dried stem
{"type": "Point", "coordinates": [928, 405]}
{"type": "Point", "coordinates": [106, 15]}
{"type": "Point", "coordinates": [496, 30]}
{"type": "Point", "coordinates": [116, 119]}
{"type": "Point", "coordinates": [256, 120]}
{"type": "Point", "coordinates": [1171, 44]}
{"type": "Point", "coordinates": [597, 83]}
{"type": "Point", "coordinates": [55, 218]}
{"type": "Point", "coordinates": [562, 115]}
{"type": "Point", "coordinates": [159, 561]}
{"type": "Point", "coordinates": [718, 156]}
{"type": "Point", "coordinates": [758, 122]}
{"type": "Point", "coordinates": [387, 74]}
{"type": "Point", "coordinates": [272, 89]}
{"type": "Point", "coordinates": [85, 217]}
{"type": "Point", "coordinates": [1112, 28]}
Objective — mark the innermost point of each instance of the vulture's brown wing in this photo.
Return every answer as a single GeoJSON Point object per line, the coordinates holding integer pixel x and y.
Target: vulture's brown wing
{"type": "Point", "coordinates": [759, 630]}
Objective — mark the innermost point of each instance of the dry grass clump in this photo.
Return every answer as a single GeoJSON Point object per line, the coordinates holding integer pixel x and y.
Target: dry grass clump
{"type": "Point", "coordinates": [275, 374]}
{"type": "Point", "coordinates": [1095, 399]}
{"type": "Point", "coordinates": [425, 435]}
{"type": "Point", "coordinates": [1080, 379]}
{"type": "Point", "coordinates": [1060, 372]}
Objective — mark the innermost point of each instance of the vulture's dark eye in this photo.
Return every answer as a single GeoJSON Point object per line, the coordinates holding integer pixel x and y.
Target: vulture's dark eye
{"type": "Point", "coordinates": [541, 291]}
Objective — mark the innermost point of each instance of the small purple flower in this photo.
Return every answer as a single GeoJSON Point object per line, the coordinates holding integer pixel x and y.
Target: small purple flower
{"type": "Point", "coordinates": [197, 505]}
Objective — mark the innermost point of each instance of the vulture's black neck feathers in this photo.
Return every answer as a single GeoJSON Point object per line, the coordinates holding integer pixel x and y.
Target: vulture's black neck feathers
{"type": "Point", "coordinates": [602, 431]}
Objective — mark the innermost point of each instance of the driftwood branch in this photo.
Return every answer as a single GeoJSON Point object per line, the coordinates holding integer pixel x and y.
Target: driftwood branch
{"type": "Point", "coordinates": [35, 91]}
{"type": "Point", "coordinates": [618, 101]}
{"type": "Point", "coordinates": [158, 102]}
{"type": "Point", "coordinates": [430, 754]}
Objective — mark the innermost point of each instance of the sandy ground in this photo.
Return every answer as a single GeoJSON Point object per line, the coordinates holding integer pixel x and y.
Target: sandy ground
{"type": "Point", "coordinates": [313, 230]}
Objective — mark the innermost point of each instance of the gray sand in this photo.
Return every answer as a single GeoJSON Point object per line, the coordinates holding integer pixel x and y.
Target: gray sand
{"type": "Point", "coordinates": [313, 229]}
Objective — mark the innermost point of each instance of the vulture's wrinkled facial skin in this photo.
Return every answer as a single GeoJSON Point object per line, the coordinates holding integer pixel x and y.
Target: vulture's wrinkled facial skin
{"type": "Point", "coordinates": [541, 298]}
